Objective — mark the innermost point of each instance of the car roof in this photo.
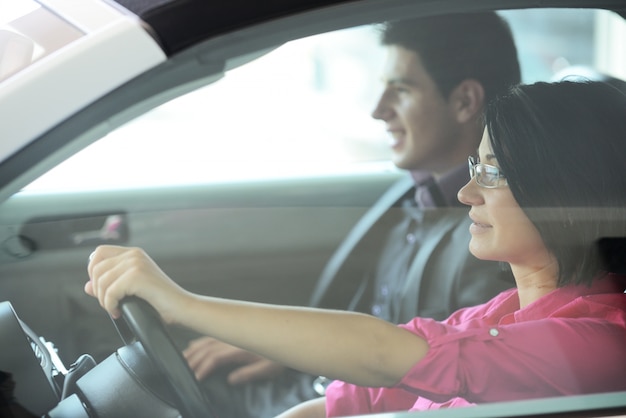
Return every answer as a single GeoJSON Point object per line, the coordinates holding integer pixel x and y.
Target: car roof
{"type": "Point", "coordinates": [203, 19]}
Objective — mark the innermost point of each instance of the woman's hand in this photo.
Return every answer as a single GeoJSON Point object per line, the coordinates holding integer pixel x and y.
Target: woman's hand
{"type": "Point", "coordinates": [116, 272]}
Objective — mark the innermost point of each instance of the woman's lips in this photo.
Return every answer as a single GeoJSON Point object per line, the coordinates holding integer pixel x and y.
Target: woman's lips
{"type": "Point", "coordinates": [478, 227]}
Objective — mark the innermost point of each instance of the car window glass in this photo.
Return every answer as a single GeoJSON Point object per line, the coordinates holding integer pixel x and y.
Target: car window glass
{"type": "Point", "coordinates": [304, 109]}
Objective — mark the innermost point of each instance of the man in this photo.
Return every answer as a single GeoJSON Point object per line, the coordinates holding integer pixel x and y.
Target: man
{"type": "Point", "coordinates": [408, 256]}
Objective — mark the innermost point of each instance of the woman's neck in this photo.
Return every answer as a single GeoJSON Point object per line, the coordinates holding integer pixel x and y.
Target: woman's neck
{"type": "Point", "coordinates": [533, 282]}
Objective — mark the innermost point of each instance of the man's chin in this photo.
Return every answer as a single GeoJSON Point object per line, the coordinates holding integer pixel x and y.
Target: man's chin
{"type": "Point", "coordinates": [402, 163]}
{"type": "Point", "coordinates": [398, 159]}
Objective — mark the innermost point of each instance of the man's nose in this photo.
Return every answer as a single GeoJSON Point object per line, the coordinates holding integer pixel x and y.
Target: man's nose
{"type": "Point", "coordinates": [382, 111]}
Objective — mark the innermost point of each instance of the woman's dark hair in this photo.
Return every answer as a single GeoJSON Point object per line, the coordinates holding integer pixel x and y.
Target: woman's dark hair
{"type": "Point", "coordinates": [457, 47]}
{"type": "Point", "coordinates": [562, 148]}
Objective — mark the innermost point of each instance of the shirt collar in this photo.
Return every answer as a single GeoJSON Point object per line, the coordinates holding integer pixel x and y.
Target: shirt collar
{"type": "Point", "coordinates": [559, 298]}
{"type": "Point", "coordinates": [448, 183]}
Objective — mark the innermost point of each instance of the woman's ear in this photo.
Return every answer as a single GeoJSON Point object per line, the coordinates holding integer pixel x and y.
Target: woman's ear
{"type": "Point", "coordinates": [467, 100]}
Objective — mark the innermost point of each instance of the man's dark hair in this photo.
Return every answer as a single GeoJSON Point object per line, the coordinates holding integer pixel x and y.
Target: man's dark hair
{"type": "Point", "coordinates": [457, 47]}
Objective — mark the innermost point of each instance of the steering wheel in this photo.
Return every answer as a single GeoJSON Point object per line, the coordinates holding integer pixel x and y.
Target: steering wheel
{"type": "Point", "coordinates": [141, 322]}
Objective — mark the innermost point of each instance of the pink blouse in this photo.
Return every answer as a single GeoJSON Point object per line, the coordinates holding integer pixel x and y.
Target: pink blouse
{"type": "Point", "coordinates": [571, 341]}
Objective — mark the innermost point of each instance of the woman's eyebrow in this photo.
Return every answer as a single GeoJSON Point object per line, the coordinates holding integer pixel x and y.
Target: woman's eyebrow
{"type": "Point", "coordinates": [490, 157]}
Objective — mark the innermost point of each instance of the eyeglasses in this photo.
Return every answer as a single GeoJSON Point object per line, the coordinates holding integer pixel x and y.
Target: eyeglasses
{"type": "Point", "coordinates": [486, 175]}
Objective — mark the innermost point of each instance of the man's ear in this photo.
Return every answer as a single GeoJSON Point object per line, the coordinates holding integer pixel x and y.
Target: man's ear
{"type": "Point", "coordinates": [467, 100]}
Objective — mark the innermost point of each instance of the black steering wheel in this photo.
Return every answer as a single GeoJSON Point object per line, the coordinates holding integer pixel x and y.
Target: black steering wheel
{"type": "Point", "coordinates": [141, 322]}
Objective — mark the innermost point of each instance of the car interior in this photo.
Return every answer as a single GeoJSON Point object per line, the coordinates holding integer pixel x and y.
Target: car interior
{"type": "Point", "coordinates": [240, 176]}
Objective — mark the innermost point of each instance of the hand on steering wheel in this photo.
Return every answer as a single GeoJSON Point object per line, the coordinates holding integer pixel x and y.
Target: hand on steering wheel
{"type": "Point", "coordinates": [141, 322]}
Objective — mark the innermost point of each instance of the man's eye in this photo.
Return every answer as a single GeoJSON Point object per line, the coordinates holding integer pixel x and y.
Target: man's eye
{"type": "Point", "coordinates": [401, 89]}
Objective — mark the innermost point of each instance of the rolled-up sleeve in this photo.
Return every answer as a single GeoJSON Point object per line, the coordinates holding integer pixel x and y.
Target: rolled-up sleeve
{"type": "Point", "coordinates": [547, 357]}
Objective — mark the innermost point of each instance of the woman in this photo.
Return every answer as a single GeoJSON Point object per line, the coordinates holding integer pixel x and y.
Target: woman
{"type": "Point", "coordinates": [548, 183]}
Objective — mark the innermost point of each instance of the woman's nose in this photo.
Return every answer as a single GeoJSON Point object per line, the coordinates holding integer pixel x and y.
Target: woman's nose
{"type": "Point", "coordinates": [470, 193]}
